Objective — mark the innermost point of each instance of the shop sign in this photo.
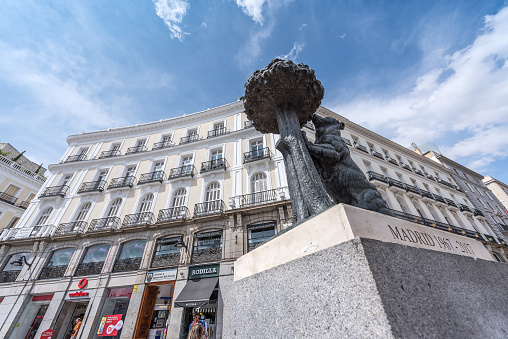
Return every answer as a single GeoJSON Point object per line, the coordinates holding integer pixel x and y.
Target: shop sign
{"type": "Point", "coordinates": [48, 334]}
{"type": "Point", "coordinates": [110, 324]}
{"type": "Point", "coordinates": [199, 272]}
{"type": "Point", "coordinates": [82, 283]}
{"type": "Point", "coordinates": [161, 275]}
{"type": "Point", "coordinates": [83, 294]}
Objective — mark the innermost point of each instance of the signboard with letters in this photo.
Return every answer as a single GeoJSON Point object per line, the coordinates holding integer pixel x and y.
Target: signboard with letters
{"type": "Point", "coordinates": [81, 294]}
{"type": "Point", "coordinates": [164, 275]}
{"type": "Point", "coordinates": [200, 272]}
{"type": "Point", "coordinates": [48, 334]}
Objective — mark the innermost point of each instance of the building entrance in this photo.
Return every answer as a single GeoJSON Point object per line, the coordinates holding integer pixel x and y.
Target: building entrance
{"type": "Point", "coordinates": [71, 311]}
{"type": "Point", "coordinates": [36, 322]}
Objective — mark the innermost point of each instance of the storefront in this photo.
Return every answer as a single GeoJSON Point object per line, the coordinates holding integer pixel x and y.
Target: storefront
{"type": "Point", "coordinates": [74, 307]}
{"type": "Point", "coordinates": [200, 295]}
{"type": "Point", "coordinates": [153, 318]}
{"type": "Point", "coordinates": [31, 318]}
{"type": "Point", "coordinates": [112, 316]}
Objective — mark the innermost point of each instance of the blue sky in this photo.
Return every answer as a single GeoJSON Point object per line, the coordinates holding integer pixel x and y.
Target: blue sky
{"type": "Point", "coordinates": [412, 71]}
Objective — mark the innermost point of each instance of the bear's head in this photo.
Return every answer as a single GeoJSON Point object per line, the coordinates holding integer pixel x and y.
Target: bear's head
{"type": "Point", "coordinates": [326, 125]}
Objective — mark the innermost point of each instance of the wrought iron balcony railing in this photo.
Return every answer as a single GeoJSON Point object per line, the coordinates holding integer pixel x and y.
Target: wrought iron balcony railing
{"type": "Point", "coordinates": [218, 132]}
{"type": "Point", "coordinates": [503, 227]}
{"type": "Point", "coordinates": [214, 165]}
{"type": "Point", "coordinates": [104, 224]}
{"type": "Point", "coordinates": [478, 213]}
{"type": "Point", "coordinates": [52, 272]}
{"type": "Point", "coordinates": [184, 171]}
{"type": "Point", "coordinates": [165, 259]}
{"type": "Point", "coordinates": [173, 213]}
{"type": "Point", "coordinates": [8, 276]}
{"type": "Point", "coordinates": [258, 154]}
{"type": "Point", "coordinates": [70, 228]}
{"type": "Point", "coordinates": [430, 176]}
{"type": "Point", "coordinates": [127, 181]}
{"type": "Point", "coordinates": [162, 144]}
{"type": "Point", "coordinates": [10, 199]}
{"type": "Point", "coordinates": [190, 138]}
{"type": "Point", "coordinates": [360, 147]}
{"type": "Point", "coordinates": [24, 204]}
{"type": "Point", "coordinates": [207, 254]}
{"type": "Point", "coordinates": [154, 176]}
{"type": "Point", "coordinates": [411, 188]}
{"type": "Point", "coordinates": [347, 141]}
{"type": "Point", "coordinates": [109, 154]}
{"type": "Point", "coordinates": [136, 149]}
{"type": "Point", "coordinates": [450, 202]}
{"type": "Point", "coordinates": [426, 194]}
{"type": "Point", "coordinates": [74, 158]}
{"type": "Point", "coordinates": [377, 154]}
{"type": "Point", "coordinates": [89, 268]}
{"type": "Point", "coordinates": [439, 198]}
{"type": "Point", "coordinates": [376, 176]}
{"type": "Point", "coordinates": [127, 264]}
{"type": "Point", "coordinates": [446, 183]}
{"type": "Point", "coordinates": [258, 198]}
{"type": "Point", "coordinates": [419, 172]}
{"type": "Point", "coordinates": [396, 183]}
{"type": "Point", "coordinates": [92, 186]}
{"type": "Point", "coordinates": [209, 207]}
{"type": "Point", "coordinates": [138, 219]}
{"type": "Point", "coordinates": [404, 166]}
{"type": "Point", "coordinates": [247, 124]}
{"type": "Point", "coordinates": [392, 161]}
{"type": "Point", "coordinates": [54, 191]}
{"type": "Point", "coordinates": [465, 208]}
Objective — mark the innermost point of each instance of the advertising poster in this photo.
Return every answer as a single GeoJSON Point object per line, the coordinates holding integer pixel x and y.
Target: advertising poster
{"type": "Point", "coordinates": [110, 324]}
{"type": "Point", "coordinates": [48, 334]}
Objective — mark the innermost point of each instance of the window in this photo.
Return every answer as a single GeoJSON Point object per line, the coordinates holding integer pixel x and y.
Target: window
{"type": "Point", "coordinates": [140, 143]}
{"type": "Point", "coordinates": [186, 164]}
{"type": "Point", "coordinates": [258, 234]}
{"type": "Point", "coordinates": [116, 302]}
{"type": "Point", "coordinates": [166, 252]}
{"type": "Point", "coordinates": [113, 209]}
{"type": "Point", "coordinates": [115, 147]}
{"type": "Point", "coordinates": [258, 183]}
{"type": "Point", "coordinates": [179, 197]}
{"type": "Point", "coordinates": [157, 170]}
{"type": "Point", "coordinates": [102, 175]}
{"type": "Point", "coordinates": [207, 247]}
{"type": "Point", "coordinates": [93, 261]}
{"type": "Point", "coordinates": [30, 197]}
{"type": "Point", "coordinates": [83, 212]}
{"type": "Point", "coordinates": [146, 203]}
{"type": "Point", "coordinates": [218, 126]}
{"type": "Point", "coordinates": [44, 216]}
{"type": "Point", "coordinates": [216, 158]}
{"type": "Point", "coordinates": [13, 222]}
{"type": "Point", "coordinates": [129, 173]}
{"type": "Point", "coordinates": [256, 148]}
{"type": "Point", "coordinates": [83, 151]}
{"type": "Point", "coordinates": [130, 256]}
{"type": "Point", "coordinates": [10, 272]}
{"type": "Point", "coordinates": [12, 190]}
{"type": "Point", "coordinates": [192, 132]}
{"type": "Point", "coordinates": [57, 264]}
{"type": "Point", "coordinates": [66, 180]}
{"type": "Point", "coordinates": [212, 192]}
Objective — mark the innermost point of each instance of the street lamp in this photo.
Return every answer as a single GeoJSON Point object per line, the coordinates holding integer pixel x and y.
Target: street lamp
{"type": "Point", "coordinates": [180, 243]}
{"type": "Point", "coordinates": [19, 262]}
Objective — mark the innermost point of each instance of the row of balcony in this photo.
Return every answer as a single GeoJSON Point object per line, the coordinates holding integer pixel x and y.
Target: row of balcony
{"type": "Point", "coordinates": [21, 169]}
{"type": "Point", "coordinates": [10, 199]}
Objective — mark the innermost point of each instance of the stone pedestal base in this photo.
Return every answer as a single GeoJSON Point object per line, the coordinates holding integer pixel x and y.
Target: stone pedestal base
{"type": "Point", "coordinates": [367, 288]}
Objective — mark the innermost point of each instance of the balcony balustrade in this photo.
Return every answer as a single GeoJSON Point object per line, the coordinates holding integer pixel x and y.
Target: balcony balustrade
{"type": "Point", "coordinates": [426, 194]}
{"type": "Point", "coordinates": [104, 224]}
{"type": "Point", "coordinates": [127, 181]}
{"type": "Point", "coordinates": [419, 172]}
{"type": "Point", "coordinates": [207, 254]}
{"type": "Point", "coordinates": [10, 199]}
{"type": "Point", "coordinates": [138, 219]}
{"type": "Point", "coordinates": [377, 154]}
{"type": "Point", "coordinates": [412, 189]}
{"type": "Point", "coordinates": [214, 165]}
{"type": "Point", "coordinates": [218, 132]}
{"type": "Point", "coordinates": [209, 207]}
{"type": "Point", "coordinates": [360, 147]}
{"type": "Point", "coordinates": [173, 213]}
{"type": "Point", "coordinates": [478, 213]}
{"type": "Point", "coordinates": [451, 202]}
{"type": "Point", "coordinates": [439, 198]}
{"type": "Point", "coordinates": [54, 191]}
{"type": "Point", "coordinates": [52, 272]}
{"type": "Point", "coordinates": [258, 154]}
{"type": "Point", "coordinates": [109, 154]}
{"type": "Point", "coordinates": [162, 144]}
{"type": "Point", "coordinates": [247, 124]}
{"type": "Point", "coordinates": [258, 198]}
{"type": "Point", "coordinates": [74, 158]}
{"type": "Point", "coordinates": [446, 183]}
{"type": "Point", "coordinates": [190, 138]}
{"type": "Point", "coordinates": [8, 276]}
{"type": "Point", "coordinates": [347, 141]}
{"type": "Point", "coordinates": [136, 149]}
{"type": "Point", "coordinates": [404, 166]}
{"type": "Point", "coordinates": [430, 176]}
{"type": "Point", "coordinates": [89, 268]}
{"type": "Point", "coordinates": [70, 228]}
{"type": "Point", "coordinates": [376, 176]}
{"type": "Point", "coordinates": [396, 183]}
{"type": "Point", "coordinates": [92, 186]}
{"type": "Point", "coordinates": [503, 227]}
{"type": "Point", "coordinates": [165, 260]}
{"type": "Point", "coordinates": [24, 205]}
{"type": "Point", "coordinates": [392, 161]}
{"type": "Point", "coordinates": [465, 208]}
{"type": "Point", "coordinates": [20, 169]}
{"type": "Point", "coordinates": [127, 264]}
{"type": "Point", "coordinates": [184, 171]}
{"type": "Point", "coordinates": [155, 176]}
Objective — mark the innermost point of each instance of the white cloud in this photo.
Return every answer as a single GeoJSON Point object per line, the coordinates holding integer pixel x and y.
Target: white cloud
{"type": "Point", "coordinates": [293, 53]}
{"type": "Point", "coordinates": [172, 12]}
{"type": "Point", "coordinates": [462, 105]}
{"type": "Point", "coordinates": [252, 48]}
{"type": "Point", "coordinates": [301, 27]}
{"type": "Point", "coordinates": [253, 8]}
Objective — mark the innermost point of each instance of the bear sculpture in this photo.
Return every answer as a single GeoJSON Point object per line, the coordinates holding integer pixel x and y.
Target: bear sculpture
{"type": "Point", "coordinates": [343, 179]}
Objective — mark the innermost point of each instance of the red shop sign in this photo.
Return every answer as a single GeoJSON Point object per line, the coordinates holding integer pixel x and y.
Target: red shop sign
{"type": "Point", "coordinates": [110, 324]}
{"type": "Point", "coordinates": [78, 294]}
{"type": "Point", "coordinates": [82, 283]}
{"type": "Point", "coordinates": [48, 334]}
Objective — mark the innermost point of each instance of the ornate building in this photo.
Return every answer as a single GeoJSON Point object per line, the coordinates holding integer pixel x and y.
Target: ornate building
{"type": "Point", "coordinates": [143, 223]}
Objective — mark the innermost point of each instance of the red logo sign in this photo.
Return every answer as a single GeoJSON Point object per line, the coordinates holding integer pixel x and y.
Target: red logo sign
{"type": "Point", "coordinates": [78, 294]}
{"type": "Point", "coordinates": [48, 334]}
{"type": "Point", "coordinates": [110, 324]}
{"type": "Point", "coordinates": [82, 283]}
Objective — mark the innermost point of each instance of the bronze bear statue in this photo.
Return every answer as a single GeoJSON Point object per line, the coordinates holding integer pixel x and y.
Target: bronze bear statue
{"type": "Point", "coordinates": [344, 181]}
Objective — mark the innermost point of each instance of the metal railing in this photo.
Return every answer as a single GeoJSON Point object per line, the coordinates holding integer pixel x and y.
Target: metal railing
{"type": "Point", "coordinates": [9, 163]}
{"type": "Point", "coordinates": [184, 171]}
{"type": "Point", "coordinates": [154, 176]}
{"type": "Point", "coordinates": [465, 208]}
{"type": "Point", "coordinates": [413, 189]}
{"type": "Point", "coordinates": [439, 198]}
{"type": "Point", "coordinates": [70, 228]}
{"type": "Point", "coordinates": [10, 199]}
{"type": "Point", "coordinates": [173, 213]}
{"type": "Point", "coordinates": [109, 154]}
{"type": "Point", "coordinates": [127, 264]}
{"type": "Point", "coordinates": [190, 138]}
{"type": "Point", "coordinates": [136, 149]}
{"type": "Point", "coordinates": [450, 202]}
{"type": "Point", "coordinates": [8, 276]}
{"type": "Point", "coordinates": [396, 183]}
{"type": "Point", "coordinates": [138, 219]}
{"type": "Point", "coordinates": [209, 207]}
{"type": "Point", "coordinates": [74, 158]}
{"type": "Point", "coordinates": [360, 147]}
{"type": "Point", "coordinates": [503, 227]}
{"type": "Point", "coordinates": [258, 154]}
{"type": "Point", "coordinates": [218, 132]}
{"type": "Point", "coordinates": [376, 176]}
{"type": "Point", "coordinates": [52, 272]}
{"type": "Point", "coordinates": [104, 224]}
{"type": "Point", "coordinates": [258, 198]}
{"type": "Point", "coordinates": [92, 186]}
{"type": "Point", "coordinates": [430, 176]}
{"type": "Point", "coordinates": [162, 144]}
{"type": "Point", "coordinates": [127, 181]}
{"type": "Point", "coordinates": [247, 124]}
{"type": "Point", "coordinates": [392, 161]}
{"type": "Point", "coordinates": [426, 194]}
{"type": "Point", "coordinates": [89, 268]}
{"type": "Point", "coordinates": [404, 166]}
{"type": "Point", "coordinates": [419, 172]}
{"type": "Point", "coordinates": [214, 165]}
{"type": "Point", "coordinates": [446, 183]}
{"type": "Point", "coordinates": [24, 204]}
{"type": "Point", "coordinates": [207, 254]}
{"type": "Point", "coordinates": [478, 213]}
{"type": "Point", "coordinates": [347, 141]}
{"type": "Point", "coordinates": [54, 191]}
{"type": "Point", "coordinates": [166, 259]}
{"type": "Point", "coordinates": [377, 154]}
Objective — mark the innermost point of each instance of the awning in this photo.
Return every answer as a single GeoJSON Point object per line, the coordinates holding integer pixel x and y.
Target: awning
{"type": "Point", "coordinates": [196, 293]}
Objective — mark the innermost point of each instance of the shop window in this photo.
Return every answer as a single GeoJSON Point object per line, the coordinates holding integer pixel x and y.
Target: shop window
{"type": "Point", "coordinates": [130, 256]}
{"type": "Point", "coordinates": [258, 234]}
{"type": "Point", "coordinates": [112, 314]}
{"type": "Point", "coordinates": [57, 265]}
{"type": "Point", "coordinates": [10, 272]}
{"type": "Point", "coordinates": [207, 247]}
{"type": "Point", "coordinates": [31, 318]}
{"type": "Point", "coordinates": [44, 216]}
{"type": "Point", "coordinates": [93, 261]}
{"type": "Point", "coordinates": [153, 319]}
{"type": "Point", "coordinates": [166, 252]}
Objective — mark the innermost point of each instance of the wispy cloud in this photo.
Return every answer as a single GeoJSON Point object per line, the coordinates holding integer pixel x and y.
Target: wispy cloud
{"type": "Point", "coordinates": [293, 53]}
{"type": "Point", "coordinates": [172, 12]}
{"type": "Point", "coordinates": [301, 27]}
{"type": "Point", "coordinates": [462, 104]}
{"type": "Point", "coordinates": [253, 8]}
